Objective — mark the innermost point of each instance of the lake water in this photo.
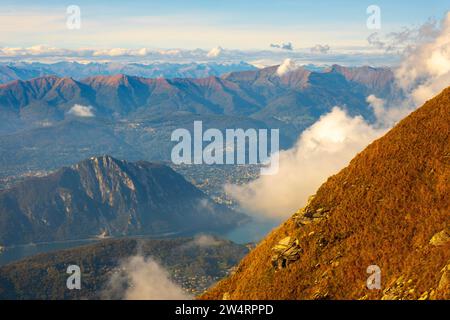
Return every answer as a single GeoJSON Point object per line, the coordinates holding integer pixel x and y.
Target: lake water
{"type": "Point", "coordinates": [14, 253]}
{"type": "Point", "coordinates": [252, 231]}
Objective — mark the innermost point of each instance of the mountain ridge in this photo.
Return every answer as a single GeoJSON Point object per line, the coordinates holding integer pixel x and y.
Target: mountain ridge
{"type": "Point", "coordinates": [25, 71]}
{"type": "Point", "coordinates": [137, 90]}
{"type": "Point", "coordinates": [134, 117]}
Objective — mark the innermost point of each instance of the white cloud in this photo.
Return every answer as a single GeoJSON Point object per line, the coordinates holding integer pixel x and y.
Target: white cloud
{"type": "Point", "coordinates": [287, 66]}
{"type": "Point", "coordinates": [138, 278]}
{"type": "Point", "coordinates": [387, 116]}
{"type": "Point", "coordinates": [36, 51]}
{"type": "Point", "coordinates": [205, 240]}
{"type": "Point", "coordinates": [426, 69]}
{"type": "Point", "coordinates": [82, 111]}
{"type": "Point", "coordinates": [215, 52]}
{"type": "Point", "coordinates": [321, 151]}
{"type": "Point", "coordinates": [423, 72]}
{"type": "Point", "coordinates": [344, 56]}
{"type": "Point", "coordinates": [377, 105]}
{"type": "Point", "coordinates": [425, 66]}
{"type": "Point", "coordinates": [122, 52]}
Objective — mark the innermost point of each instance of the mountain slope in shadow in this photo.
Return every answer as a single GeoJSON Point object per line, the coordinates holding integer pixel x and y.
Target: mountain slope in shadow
{"type": "Point", "coordinates": [103, 195]}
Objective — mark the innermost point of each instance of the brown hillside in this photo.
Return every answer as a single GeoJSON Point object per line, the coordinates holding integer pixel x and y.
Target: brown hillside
{"type": "Point", "coordinates": [390, 207]}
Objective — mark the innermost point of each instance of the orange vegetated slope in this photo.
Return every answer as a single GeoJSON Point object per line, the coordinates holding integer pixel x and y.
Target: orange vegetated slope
{"type": "Point", "coordinates": [383, 209]}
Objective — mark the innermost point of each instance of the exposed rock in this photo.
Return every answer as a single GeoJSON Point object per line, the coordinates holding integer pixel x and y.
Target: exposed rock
{"type": "Point", "coordinates": [320, 295]}
{"type": "Point", "coordinates": [285, 252]}
{"type": "Point", "coordinates": [441, 238]}
{"type": "Point", "coordinates": [307, 215]}
{"type": "Point", "coordinates": [424, 296]}
{"type": "Point", "coordinates": [444, 283]}
{"type": "Point", "coordinates": [401, 289]}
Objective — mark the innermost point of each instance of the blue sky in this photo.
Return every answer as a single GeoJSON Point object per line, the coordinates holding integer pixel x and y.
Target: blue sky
{"type": "Point", "coordinates": [205, 24]}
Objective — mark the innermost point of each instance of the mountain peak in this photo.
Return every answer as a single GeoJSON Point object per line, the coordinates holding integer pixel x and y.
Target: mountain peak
{"type": "Point", "coordinates": [116, 80]}
{"type": "Point", "coordinates": [103, 161]}
{"type": "Point", "coordinates": [106, 159]}
{"type": "Point", "coordinates": [102, 194]}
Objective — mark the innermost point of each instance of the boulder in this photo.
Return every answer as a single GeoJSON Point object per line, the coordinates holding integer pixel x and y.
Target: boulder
{"type": "Point", "coordinates": [441, 238]}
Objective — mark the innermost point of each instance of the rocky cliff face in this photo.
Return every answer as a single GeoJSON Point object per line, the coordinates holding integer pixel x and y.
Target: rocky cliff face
{"type": "Point", "coordinates": [103, 195]}
{"type": "Point", "coordinates": [387, 212]}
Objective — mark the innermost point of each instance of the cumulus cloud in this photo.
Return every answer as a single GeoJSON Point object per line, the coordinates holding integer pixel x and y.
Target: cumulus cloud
{"type": "Point", "coordinates": [318, 48]}
{"type": "Point", "coordinates": [82, 111]}
{"type": "Point", "coordinates": [425, 71]}
{"type": "Point", "coordinates": [288, 65]}
{"type": "Point", "coordinates": [215, 52]}
{"type": "Point", "coordinates": [139, 278]}
{"type": "Point", "coordinates": [321, 151]}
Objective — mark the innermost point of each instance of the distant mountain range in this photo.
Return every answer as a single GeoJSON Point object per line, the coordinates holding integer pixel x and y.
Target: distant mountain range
{"type": "Point", "coordinates": [133, 117]}
{"type": "Point", "coordinates": [385, 216]}
{"type": "Point", "coordinates": [26, 71]}
{"type": "Point", "coordinates": [260, 94]}
{"type": "Point", "coordinates": [193, 263]}
{"type": "Point", "coordinates": [104, 196]}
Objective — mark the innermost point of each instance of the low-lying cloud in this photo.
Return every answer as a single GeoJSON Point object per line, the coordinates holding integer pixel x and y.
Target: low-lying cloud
{"type": "Point", "coordinates": [321, 151]}
{"type": "Point", "coordinates": [139, 278]}
{"type": "Point", "coordinates": [79, 110]}
{"type": "Point", "coordinates": [288, 65]}
{"type": "Point", "coordinates": [339, 55]}
{"type": "Point", "coordinates": [205, 240]}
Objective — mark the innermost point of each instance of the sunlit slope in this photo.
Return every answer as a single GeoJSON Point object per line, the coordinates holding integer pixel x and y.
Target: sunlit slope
{"type": "Point", "coordinates": [390, 207]}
